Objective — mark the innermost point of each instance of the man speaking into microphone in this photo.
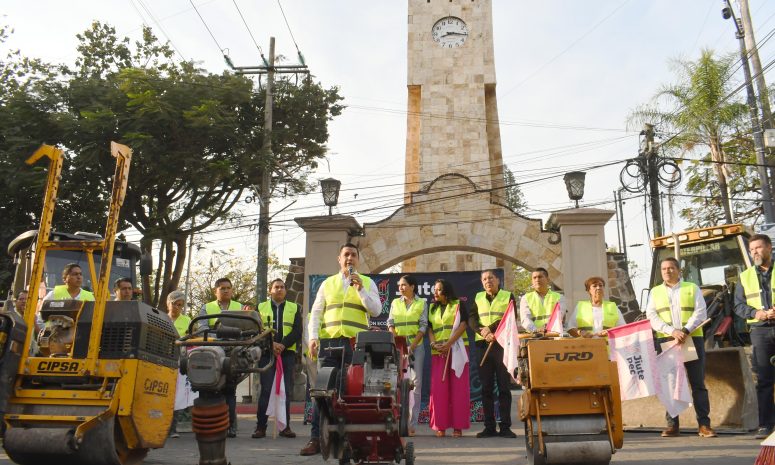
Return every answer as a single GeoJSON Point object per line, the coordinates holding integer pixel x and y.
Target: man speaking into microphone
{"type": "Point", "coordinates": [341, 310]}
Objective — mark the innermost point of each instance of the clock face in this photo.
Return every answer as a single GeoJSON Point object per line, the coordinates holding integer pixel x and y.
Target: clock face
{"type": "Point", "coordinates": [450, 32]}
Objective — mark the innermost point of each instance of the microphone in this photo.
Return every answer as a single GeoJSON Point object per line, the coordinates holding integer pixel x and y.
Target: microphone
{"type": "Point", "coordinates": [350, 274]}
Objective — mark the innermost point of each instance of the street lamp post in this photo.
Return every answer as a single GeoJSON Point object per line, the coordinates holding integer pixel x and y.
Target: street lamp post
{"type": "Point", "coordinates": [330, 188]}
{"type": "Point", "coordinates": [574, 183]}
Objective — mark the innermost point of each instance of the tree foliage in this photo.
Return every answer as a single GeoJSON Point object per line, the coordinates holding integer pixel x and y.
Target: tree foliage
{"type": "Point", "coordinates": [196, 138]}
{"type": "Point", "coordinates": [700, 120]}
{"type": "Point", "coordinates": [515, 199]}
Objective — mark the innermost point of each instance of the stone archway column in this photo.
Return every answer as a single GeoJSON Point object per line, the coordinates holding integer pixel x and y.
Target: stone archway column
{"type": "Point", "coordinates": [583, 248]}
{"type": "Point", "coordinates": [324, 236]}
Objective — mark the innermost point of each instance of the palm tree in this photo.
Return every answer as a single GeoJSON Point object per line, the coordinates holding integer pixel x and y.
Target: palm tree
{"type": "Point", "coordinates": [699, 112]}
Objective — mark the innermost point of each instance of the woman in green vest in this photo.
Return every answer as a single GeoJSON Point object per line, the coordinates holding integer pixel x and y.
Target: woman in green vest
{"type": "Point", "coordinates": [594, 317]}
{"type": "Point", "coordinates": [450, 403]}
{"type": "Point", "coordinates": [409, 318]}
{"type": "Point", "coordinates": [184, 396]}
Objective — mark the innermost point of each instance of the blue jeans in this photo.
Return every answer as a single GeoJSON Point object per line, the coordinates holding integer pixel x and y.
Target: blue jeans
{"type": "Point", "coordinates": [267, 383]}
{"type": "Point", "coordinates": [331, 358]}
{"type": "Point", "coordinates": [763, 341]}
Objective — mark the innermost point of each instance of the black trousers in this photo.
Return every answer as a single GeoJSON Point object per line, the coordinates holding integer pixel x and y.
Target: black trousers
{"type": "Point", "coordinates": [268, 383]}
{"type": "Point", "coordinates": [331, 358]}
{"type": "Point", "coordinates": [695, 371]}
{"type": "Point", "coordinates": [763, 341]}
{"type": "Point", "coordinates": [493, 372]}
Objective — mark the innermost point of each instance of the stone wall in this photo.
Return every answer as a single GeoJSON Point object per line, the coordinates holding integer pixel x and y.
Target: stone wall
{"type": "Point", "coordinates": [620, 288]}
{"type": "Point", "coordinates": [294, 281]}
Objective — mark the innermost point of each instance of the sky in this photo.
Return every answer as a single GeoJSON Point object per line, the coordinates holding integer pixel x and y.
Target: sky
{"type": "Point", "coordinates": [568, 75]}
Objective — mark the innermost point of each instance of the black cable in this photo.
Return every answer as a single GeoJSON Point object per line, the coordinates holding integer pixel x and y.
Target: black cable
{"type": "Point", "coordinates": [258, 47]}
{"type": "Point", "coordinates": [289, 28]}
{"type": "Point", "coordinates": [206, 27]}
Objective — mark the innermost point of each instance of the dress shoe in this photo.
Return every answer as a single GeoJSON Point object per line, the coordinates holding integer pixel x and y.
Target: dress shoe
{"type": "Point", "coordinates": [259, 433]}
{"type": "Point", "coordinates": [706, 432]}
{"type": "Point", "coordinates": [457, 433]}
{"type": "Point", "coordinates": [763, 433]}
{"type": "Point", "coordinates": [287, 433]}
{"type": "Point", "coordinates": [441, 434]}
{"type": "Point", "coordinates": [487, 433]}
{"type": "Point", "coordinates": [312, 447]}
{"type": "Point", "coordinates": [671, 432]}
{"type": "Point", "coordinates": [506, 433]}
{"type": "Point", "coordinates": [232, 432]}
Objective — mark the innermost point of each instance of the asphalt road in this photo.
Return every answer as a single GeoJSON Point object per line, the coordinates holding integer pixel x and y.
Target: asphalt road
{"type": "Point", "coordinates": [640, 448]}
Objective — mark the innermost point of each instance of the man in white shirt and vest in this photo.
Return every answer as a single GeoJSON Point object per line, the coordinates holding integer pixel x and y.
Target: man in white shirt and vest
{"type": "Point", "coordinates": [676, 309]}
{"type": "Point", "coordinates": [223, 302]}
{"type": "Point", "coordinates": [285, 318]}
{"type": "Point", "coordinates": [123, 289]}
{"type": "Point", "coordinates": [483, 318]}
{"type": "Point", "coordinates": [536, 306]}
{"type": "Point", "coordinates": [341, 310]}
{"type": "Point", "coordinates": [753, 302]}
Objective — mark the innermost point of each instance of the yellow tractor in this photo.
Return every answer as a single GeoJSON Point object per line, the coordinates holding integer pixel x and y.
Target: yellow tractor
{"type": "Point", "coordinates": [96, 386]}
{"type": "Point", "coordinates": [571, 404]}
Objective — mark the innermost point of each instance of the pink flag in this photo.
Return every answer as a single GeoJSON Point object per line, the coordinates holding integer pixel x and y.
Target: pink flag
{"type": "Point", "coordinates": [458, 350]}
{"type": "Point", "coordinates": [276, 407]}
{"type": "Point", "coordinates": [555, 320]}
{"type": "Point", "coordinates": [632, 348]}
{"type": "Point", "coordinates": [672, 383]}
{"type": "Point", "coordinates": [507, 336]}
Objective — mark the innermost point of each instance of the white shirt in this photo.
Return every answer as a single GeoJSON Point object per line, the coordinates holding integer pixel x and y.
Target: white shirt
{"type": "Point", "coordinates": [597, 318]}
{"type": "Point", "coordinates": [699, 315]}
{"type": "Point", "coordinates": [526, 316]}
{"type": "Point", "coordinates": [370, 300]}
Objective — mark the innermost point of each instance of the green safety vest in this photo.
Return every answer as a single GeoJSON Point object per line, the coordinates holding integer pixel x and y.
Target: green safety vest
{"type": "Point", "coordinates": [344, 314]}
{"type": "Point", "coordinates": [181, 324]}
{"type": "Point", "coordinates": [491, 312]}
{"type": "Point", "coordinates": [61, 293]}
{"type": "Point", "coordinates": [542, 308]}
{"type": "Point", "coordinates": [289, 314]}
{"type": "Point", "coordinates": [407, 321]}
{"type": "Point", "coordinates": [662, 305]}
{"type": "Point", "coordinates": [753, 292]}
{"type": "Point", "coordinates": [214, 308]}
{"type": "Point", "coordinates": [441, 324]}
{"type": "Point", "coordinates": [584, 320]}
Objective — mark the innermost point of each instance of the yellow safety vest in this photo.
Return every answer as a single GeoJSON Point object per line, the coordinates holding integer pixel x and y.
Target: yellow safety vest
{"type": "Point", "coordinates": [441, 324]}
{"type": "Point", "coordinates": [181, 324]}
{"type": "Point", "coordinates": [407, 321]}
{"type": "Point", "coordinates": [491, 312]}
{"type": "Point", "coordinates": [61, 293]}
{"type": "Point", "coordinates": [753, 292]}
{"type": "Point", "coordinates": [214, 308]}
{"type": "Point", "coordinates": [542, 308]}
{"type": "Point", "coordinates": [662, 305]}
{"type": "Point", "coordinates": [344, 314]}
{"type": "Point", "coordinates": [289, 314]}
{"type": "Point", "coordinates": [584, 320]}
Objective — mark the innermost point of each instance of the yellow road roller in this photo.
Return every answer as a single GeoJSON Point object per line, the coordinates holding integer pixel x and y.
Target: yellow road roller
{"type": "Point", "coordinates": [571, 404]}
{"type": "Point", "coordinates": [96, 384]}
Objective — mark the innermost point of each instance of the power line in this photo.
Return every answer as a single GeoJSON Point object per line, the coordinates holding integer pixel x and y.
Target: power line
{"type": "Point", "coordinates": [161, 28]}
{"type": "Point", "coordinates": [289, 28]}
{"type": "Point", "coordinates": [207, 27]}
{"type": "Point", "coordinates": [258, 47]}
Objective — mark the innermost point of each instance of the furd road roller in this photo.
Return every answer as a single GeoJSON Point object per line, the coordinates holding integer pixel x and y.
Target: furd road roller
{"type": "Point", "coordinates": [98, 387]}
{"type": "Point", "coordinates": [366, 418]}
{"type": "Point", "coordinates": [571, 404]}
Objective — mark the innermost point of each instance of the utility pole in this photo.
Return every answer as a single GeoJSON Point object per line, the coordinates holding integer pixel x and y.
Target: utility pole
{"type": "Point", "coordinates": [758, 138]}
{"type": "Point", "coordinates": [649, 151]}
{"type": "Point", "coordinates": [265, 189]}
{"type": "Point", "coordinates": [761, 84]}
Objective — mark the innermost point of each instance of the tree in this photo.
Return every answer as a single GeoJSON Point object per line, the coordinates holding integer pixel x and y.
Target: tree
{"type": "Point", "coordinates": [195, 136]}
{"type": "Point", "coordinates": [522, 280]}
{"type": "Point", "coordinates": [697, 113]}
{"type": "Point", "coordinates": [240, 271]}
{"type": "Point", "coordinates": [515, 199]}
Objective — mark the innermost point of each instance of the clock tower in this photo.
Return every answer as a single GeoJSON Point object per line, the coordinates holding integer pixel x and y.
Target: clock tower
{"type": "Point", "coordinates": [452, 119]}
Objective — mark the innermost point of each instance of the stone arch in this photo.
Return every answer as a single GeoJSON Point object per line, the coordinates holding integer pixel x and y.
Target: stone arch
{"type": "Point", "coordinates": [451, 214]}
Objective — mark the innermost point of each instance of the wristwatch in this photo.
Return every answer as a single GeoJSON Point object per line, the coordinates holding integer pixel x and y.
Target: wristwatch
{"type": "Point", "coordinates": [685, 331]}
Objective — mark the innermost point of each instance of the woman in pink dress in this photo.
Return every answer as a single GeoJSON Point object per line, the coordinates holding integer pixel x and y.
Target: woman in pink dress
{"type": "Point", "coordinates": [450, 392]}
